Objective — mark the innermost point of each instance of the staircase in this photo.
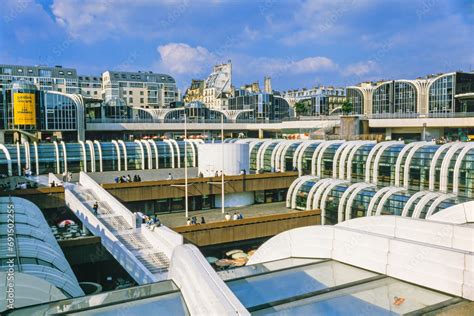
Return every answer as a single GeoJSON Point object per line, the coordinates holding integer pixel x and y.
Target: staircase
{"type": "Point", "coordinates": [137, 249]}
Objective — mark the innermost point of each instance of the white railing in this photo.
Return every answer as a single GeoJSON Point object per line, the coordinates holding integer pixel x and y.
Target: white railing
{"type": "Point", "coordinates": [203, 290]}
{"type": "Point", "coordinates": [101, 194]}
{"type": "Point", "coordinates": [52, 177]}
{"type": "Point", "coordinates": [163, 237]}
{"type": "Point", "coordinates": [126, 259]}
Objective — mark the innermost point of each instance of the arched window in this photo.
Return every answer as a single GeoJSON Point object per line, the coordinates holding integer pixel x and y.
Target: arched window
{"type": "Point", "coordinates": [357, 100]}
{"type": "Point", "coordinates": [381, 99]}
{"type": "Point", "coordinates": [404, 98]}
{"type": "Point", "coordinates": [441, 95]}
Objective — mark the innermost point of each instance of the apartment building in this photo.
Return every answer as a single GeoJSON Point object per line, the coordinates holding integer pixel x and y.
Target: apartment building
{"type": "Point", "coordinates": [46, 78]}
{"type": "Point", "coordinates": [140, 89]}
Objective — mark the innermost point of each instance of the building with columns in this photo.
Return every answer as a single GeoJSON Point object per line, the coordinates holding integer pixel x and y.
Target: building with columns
{"type": "Point", "coordinates": [448, 94]}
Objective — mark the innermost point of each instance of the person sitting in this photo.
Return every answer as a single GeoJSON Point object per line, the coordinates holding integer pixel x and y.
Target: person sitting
{"type": "Point", "coordinates": [235, 217]}
{"type": "Point", "coordinates": [135, 178]}
{"type": "Point", "coordinates": [139, 178]}
{"type": "Point", "coordinates": [129, 179]}
{"type": "Point", "coordinates": [116, 179]}
{"type": "Point", "coordinates": [156, 223]}
{"type": "Point", "coordinates": [240, 216]}
{"type": "Point", "coordinates": [188, 222]}
{"type": "Point", "coordinates": [170, 176]}
{"type": "Point", "coordinates": [53, 184]}
{"type": "Point", "coordinates": [227, 217]}
{"type": "Point", "coordinates": [203, 221]}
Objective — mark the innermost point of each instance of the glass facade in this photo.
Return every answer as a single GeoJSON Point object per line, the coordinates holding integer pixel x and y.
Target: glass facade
{"type": "Point", "coordinates": [195, 113]}
{"type": "Point", "coordinates": [386, 159]}
{"type": "Point", "coordinates": [357, 100]}
{"type": "Point", "coordinates": [61, 113]}
{"type": "Point", "coordinates": [395, 97]}
{"type": "Point", "coordinates": [264, 106]}
{"type": "Point", "coordinates": [441, 95]}
{"type": "Point", "coordinates": [92, 156]}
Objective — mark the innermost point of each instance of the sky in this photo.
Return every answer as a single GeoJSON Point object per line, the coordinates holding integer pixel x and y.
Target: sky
{"type": "Point", "coordinates": [299, 43]}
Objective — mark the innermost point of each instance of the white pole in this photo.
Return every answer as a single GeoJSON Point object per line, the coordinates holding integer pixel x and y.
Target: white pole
{"type": "Point", "coordinates": [185, 166]}
{"type": "Point", "coordinates": [222, 171]}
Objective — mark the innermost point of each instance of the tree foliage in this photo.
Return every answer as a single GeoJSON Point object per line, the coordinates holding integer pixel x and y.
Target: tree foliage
{"type": "Point", "coordinates": [301, 107]}
{"type": "Point", "coordinates": [346, 107]}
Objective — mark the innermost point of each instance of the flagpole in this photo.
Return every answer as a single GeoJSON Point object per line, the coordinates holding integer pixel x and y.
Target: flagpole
{"type": "Point", "coordinates": [222, 171]}
{"type": "Point", "coordinates": [185, 166]}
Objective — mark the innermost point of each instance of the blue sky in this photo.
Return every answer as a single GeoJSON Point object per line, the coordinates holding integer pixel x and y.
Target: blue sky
{"type": "Point", "coordinates": [299, 43]}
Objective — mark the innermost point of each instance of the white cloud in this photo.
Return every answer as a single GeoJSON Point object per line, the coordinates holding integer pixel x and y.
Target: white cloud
{"type": "Point", "coordinates": [180, 58]}
{"type": "Point", "coordinates": [361, 68]}
{"type": "Point", "coordinates": [323, 19]}
{"type": "Point", "coordinates": [92, 21]}
{"type": "Point", "coordinates": [312, 64]}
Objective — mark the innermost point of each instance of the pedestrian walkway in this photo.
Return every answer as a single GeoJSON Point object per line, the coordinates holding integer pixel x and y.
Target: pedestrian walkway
{"type": "Point", "coordinates": [138, 249]}
{"type": "Point", "coordinates": [215, 215]}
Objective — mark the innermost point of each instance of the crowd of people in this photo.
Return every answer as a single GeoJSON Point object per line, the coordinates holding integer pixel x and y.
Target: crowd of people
{"type": "Point", "coordinates": [67, 176]}
{"type": "Point", "coordinates": [152, 221]}
{"type": "Point", "coordinates": [194, 221]}
{"type": "Point", "coordinates": [234, 217]}
{"type": "Point", "coordinates": [128, 179]}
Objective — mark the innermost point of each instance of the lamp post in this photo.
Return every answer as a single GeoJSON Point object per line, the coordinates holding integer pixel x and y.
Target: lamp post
{"type": "Point", "coordinates": [222, 171]}
{"type": "Point", "coordinates": [185, 167]}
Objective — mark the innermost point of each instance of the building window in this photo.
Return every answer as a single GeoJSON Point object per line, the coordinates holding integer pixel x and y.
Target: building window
{"type": "Point", "coordinates": [45, 73]}
{"type": "Point", "coordinates": [141, 100]}
{"type": "Point", "coordinates": [130, 92]}
{"type": "Point", "coordinates": [130, 100]}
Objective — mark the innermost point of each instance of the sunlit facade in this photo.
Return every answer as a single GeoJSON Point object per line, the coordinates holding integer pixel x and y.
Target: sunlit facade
{"type": "Point", "coordinates": [95, 156]}
{"type": "Point", "coordinates": [261, 107]}
{"type": "Point", "coordinates": [416, 166]}
{"type": "Point", "coordinates": [434, 96]}
{"type": "Point", "coordinates": [24, 107]}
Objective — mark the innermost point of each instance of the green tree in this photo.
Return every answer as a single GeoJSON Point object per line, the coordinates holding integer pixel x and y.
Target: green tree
{"type": "Point", "coordinates": [346, 107]}
{"type": "Point", "coordinates": [300, 108]}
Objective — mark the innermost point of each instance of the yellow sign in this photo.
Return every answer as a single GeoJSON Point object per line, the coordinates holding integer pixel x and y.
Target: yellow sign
{"type": "Point", "coordinates": [24, 109]}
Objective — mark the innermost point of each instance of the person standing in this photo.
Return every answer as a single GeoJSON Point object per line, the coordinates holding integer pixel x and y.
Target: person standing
{"type": "Point", "coordinates": [95, 207]}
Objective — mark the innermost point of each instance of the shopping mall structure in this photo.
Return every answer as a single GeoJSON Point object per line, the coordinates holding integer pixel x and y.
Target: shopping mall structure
{"type": "Point", "coordinates": [394, 214]}
{"type": "Point", "coordinates": [421, 109]}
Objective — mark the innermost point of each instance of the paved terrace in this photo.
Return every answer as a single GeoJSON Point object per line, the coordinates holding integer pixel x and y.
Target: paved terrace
{"type": "Point", "coordinates": [215, 215]}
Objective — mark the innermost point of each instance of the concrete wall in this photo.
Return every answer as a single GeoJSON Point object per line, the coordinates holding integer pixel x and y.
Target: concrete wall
{"type": "Point", "coordinates": [155, 190]}
{"type": "Point", "coordinates": [236, 199]}
{"type": "Point", "coordinates": [231, 158]}
{"type": "Point", "coordinates": [247, 228]}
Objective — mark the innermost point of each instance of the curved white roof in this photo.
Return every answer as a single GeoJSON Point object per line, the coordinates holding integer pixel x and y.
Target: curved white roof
{"type": "Point", "coordinates": [431, 254]}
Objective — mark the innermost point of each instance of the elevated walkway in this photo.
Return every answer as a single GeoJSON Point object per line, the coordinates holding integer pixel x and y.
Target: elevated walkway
{"type": "Point", "coordinates": [145, 254]}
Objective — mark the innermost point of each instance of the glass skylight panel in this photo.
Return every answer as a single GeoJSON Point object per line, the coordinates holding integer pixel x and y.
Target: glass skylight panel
{"type": "Point", "coordinates": [263, 289]}
{"type": "Point", "coordinates": [386, 296]}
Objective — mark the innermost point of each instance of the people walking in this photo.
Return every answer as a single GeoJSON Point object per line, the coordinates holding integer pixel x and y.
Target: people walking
{"type": "Point", "coordinates": [95, 207]}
